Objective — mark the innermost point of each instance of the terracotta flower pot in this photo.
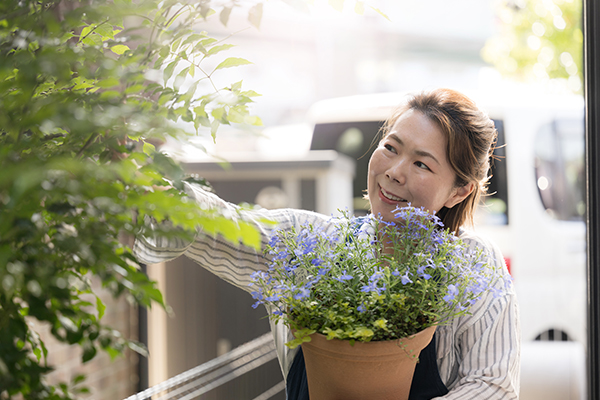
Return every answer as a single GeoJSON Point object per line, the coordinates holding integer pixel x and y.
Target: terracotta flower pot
{"type": "Point", "coordinates": [375, 370]}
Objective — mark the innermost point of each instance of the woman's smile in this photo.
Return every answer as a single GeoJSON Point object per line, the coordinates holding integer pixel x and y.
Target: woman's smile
{"type": "Point", "coordinates": [387, 196]}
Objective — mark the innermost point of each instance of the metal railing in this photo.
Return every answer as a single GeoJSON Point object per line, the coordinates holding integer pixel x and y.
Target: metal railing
{"type": "Point", "coordinates": [214, 373]}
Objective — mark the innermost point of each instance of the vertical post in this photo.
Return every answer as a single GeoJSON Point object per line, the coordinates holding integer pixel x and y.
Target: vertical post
{"type": "Point", "coordinates": [591, 23]}
{"type": "Point", "coordinates": [142, 338]}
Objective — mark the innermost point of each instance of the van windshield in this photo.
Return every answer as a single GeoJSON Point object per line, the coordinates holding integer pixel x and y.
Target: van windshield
{"type": "Point", "coordinates": [560, 169]}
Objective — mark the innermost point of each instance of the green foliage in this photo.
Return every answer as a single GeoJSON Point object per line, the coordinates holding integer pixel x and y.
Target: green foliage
{"type": "Point", "coordinates": [87, 89]}
{"type": "Point", "coordinates": [539, 40]}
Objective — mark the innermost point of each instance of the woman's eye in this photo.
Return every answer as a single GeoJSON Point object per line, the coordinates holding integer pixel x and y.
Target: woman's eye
{"type": "Point", "coordinates": [389, 147]}
{"type": "Point", "coordinates": [421, 165]}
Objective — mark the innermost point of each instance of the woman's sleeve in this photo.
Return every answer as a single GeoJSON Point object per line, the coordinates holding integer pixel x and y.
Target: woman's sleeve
{"type": "Point", "coordinates": [233, 262]}
{"type": "Point", "coordinates": [483, 360]}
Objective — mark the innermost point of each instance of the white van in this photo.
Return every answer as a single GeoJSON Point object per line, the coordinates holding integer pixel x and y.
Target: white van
{"type": "Point", "coordinates": [535, 212]}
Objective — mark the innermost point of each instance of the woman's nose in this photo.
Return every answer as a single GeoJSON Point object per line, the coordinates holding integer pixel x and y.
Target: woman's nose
{"type": "Point", "coordinates": [397, 172]}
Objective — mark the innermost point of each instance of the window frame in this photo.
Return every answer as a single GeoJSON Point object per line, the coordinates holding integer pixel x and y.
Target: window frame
{"type": "Point", "coordinates": [591, 33]}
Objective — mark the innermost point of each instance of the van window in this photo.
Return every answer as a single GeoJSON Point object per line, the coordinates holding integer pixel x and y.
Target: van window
{"type": "Point", "coordinates": [560, 170]}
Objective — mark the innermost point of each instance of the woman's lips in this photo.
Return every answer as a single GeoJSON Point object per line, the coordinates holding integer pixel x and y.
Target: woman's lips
{"type": "Point", "coordinates": [389, 197]}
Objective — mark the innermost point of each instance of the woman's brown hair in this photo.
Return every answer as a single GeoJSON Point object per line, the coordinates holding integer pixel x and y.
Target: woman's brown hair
{"type": "Point", "coordinates": [471, 136]}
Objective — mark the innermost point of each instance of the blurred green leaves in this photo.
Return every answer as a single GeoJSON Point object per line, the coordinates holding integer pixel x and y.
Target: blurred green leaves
{"type": "Point", "coordinates": [88, 91]}
{"type": "Point", "coordinates": [538, 41]}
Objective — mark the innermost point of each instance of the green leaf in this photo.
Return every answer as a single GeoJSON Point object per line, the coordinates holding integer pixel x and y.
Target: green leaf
{"type": "Point", "coordinates": [92, 40]}
{"type": "Point", "coordinates": [219, 48]}
{"type": "Point", "coordinates": [232, 62]}
{"type": "Point", "coordinates": [168, 72]}
{"type": "Point", "coordinates": [208, 41]}
{"type": "Point", "coordinates": [193, 38]}
{"type": "Point", "coordinates": [253, 120]}
{"type": "Point", "coordinates": [67, 324]}
{"type": "Point", "coordinates": [250, 93]}
{"type": "Point", "coordinates": [108, 82]}
{"type": "Point", "coordinates": [81, 83]}
{"type": "Point", "coordinates": [237, 115]}
{"type": "Point", "coordinates": [250, 235]}
{"type": "Point", "coordinates": [255, 15]}
{"type": "Point", "coordinates": [148, 148]}
{"type": "Point", "coordinates": [38, 353]}
{"type": "Point", "coordinates": [44, 349]}
{"type": "Point", "coordinates": [105, 31]}
{"type": "Point", "coordinates": [33, 46]}
{"type": "Point", "coordinates": [164, 51]}
{"type": "Point", "coordinates": [110, 94]}
{"type": "Point", "coordinates": [214, 126]}
{"type": "Point", "coordinates": [119, 49]}
{"type": "Point", "coordinates": [85, 32]}
{"type": "Point", "coordinates": [224, 15]}
{"type": "Point", "coordinates": [175, 45]}
{"type": "Point", "coordinates": [66, 36]}
{"type": "Point", "coordinates": [89, 352]}
{"type": "Point", "coordinates": [138, 348]}
{"type": "Point", "coordinates": [100, 307]}
{"type": "Point", "coordinates": [113, 353]}
{"type": "Point", "coordinates": [78, 379]}
{"type": "Point", "coordinates": [235, 87]}
{"type": "Point", "coordinates": [219, 114]}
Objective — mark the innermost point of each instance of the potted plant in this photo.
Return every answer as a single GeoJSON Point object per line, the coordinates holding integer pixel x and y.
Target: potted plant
{"type": "Point", "coordinates": [371, 284]}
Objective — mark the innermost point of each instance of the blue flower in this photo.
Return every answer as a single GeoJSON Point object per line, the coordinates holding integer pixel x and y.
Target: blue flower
{"type": "Point", "coordinates": [361, 309]}
{"type": "Point", "coordinates": [273, 297]}
{"type": "Point", "coordinates": [344, 277]}
{"type": "Point", "coordinates": [257, 294]}
{"type": "Point", "coordinates": [373, 283]}
{"type": "Point", "coordinates": [274, 239]}
{"type": "Point", "coordinates": [406, 279]}
{"type": "Point", "coordinates": [452, 292]}
{"type": "Point", "coordinates": [302, 293]}
{"type": "Point", "coordinates": [421, 272]}
{"type": "Point", "coordinates": [258, 275]}
{"type": "Point", "coordinates": [368, 288]}
{"type": "Point", "coordinates": [281, 255]}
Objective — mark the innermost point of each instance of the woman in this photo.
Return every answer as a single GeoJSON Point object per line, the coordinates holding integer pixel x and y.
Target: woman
{"type": "Point", "coordinates": [434, 154]}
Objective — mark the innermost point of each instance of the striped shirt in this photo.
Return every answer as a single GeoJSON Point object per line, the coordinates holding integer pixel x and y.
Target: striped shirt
{"type": "Point", "coordinates": [478, 354]}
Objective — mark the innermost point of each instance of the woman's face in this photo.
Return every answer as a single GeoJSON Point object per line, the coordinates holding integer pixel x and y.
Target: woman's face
{"type": "Point", "coordinates": [410, 166]}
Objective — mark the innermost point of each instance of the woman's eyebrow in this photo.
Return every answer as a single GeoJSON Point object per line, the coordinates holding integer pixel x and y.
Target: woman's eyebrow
{"type": "Point", "coordinates": [421, 153]}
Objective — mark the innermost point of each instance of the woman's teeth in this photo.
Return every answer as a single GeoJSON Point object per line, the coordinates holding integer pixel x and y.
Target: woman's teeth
{"type": "Point", "coordinates": [391, 196]}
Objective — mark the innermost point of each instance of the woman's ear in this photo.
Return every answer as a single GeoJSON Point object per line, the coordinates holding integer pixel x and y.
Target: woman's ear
{"type": "Point", "coordinates": [459, 194]}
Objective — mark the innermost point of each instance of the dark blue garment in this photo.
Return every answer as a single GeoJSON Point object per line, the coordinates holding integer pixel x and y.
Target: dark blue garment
{"type": "Point", "coordinates": [296, 386]}
{"type": "Point", "coordinates": [426, 383]}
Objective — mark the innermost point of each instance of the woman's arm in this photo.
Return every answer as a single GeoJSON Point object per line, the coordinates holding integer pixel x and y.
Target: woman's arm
{"type": "Point", "coordinates": [480, 353]}
{"type": "Point", "coordinates": [233, 262]}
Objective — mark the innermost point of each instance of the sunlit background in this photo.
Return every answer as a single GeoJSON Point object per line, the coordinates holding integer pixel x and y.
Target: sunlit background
{"type": "Point", "coordinates": [303, 53]}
